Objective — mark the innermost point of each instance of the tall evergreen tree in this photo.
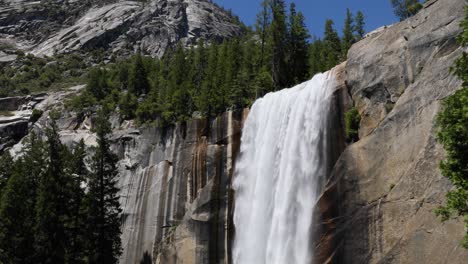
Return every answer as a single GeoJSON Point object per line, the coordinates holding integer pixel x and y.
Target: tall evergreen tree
{"type": "Point", "coordinates": [405, 8]}
{"type": "Point", "coordinates": [332, 45]}
{"type": "Point", "coordinates": [180, 85]}
{"type": "Point", "coordinates": [359, 26]}
{"type": "Point", "coordinates": [207, 100]}
{"type": "Point", "coordinates": [262, 28]}
{"type": "Point", "coordinates": [103, 208]}
{"type": "Point", "coordinates": [278, 43]}
{"type": "Point", "coordinates": [6, 167]}
{"type": "Point", "coordinates": [241, 88]}
{"type": "Point", "coordinates": [348, 36]}
{"type": "Point", "coordinates": [263, 82]}
{"type": "Point", "coordinates": [298, 47]}
{"type": "Point", "coordinates": [123, 75]}
{"type": "Point", "coordinates": [139, 83]}
{"type": "Point", "coordinates": [220, 94]}
{"type": "Point", "coordinates": [75, 223]}
{"type": "Point", "coordinates": [18, 203]}
{"type": "Point", "coordinates": [97, 83]}
{"type": "Point", "coordinates": [52, 201]}
{"type": "Point", "coordinates": [128, 104]}
{"type": "Point", "coordinates": [199, 66]}
{"type": "Point", "coordinates": [317, 57]}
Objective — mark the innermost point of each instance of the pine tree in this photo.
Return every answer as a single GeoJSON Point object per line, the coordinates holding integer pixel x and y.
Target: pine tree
{"type": "Point", "coordinates": [220, 96]}
{"type": "Point", "coordinates": [18, 203]}
{"type": "Point", "coordinates": [405, 8]}
{"type": "Point", "coordinates": [278, 43]}
{"type": "Point", "coordinates": [180, 85]}
{"type": "Point", "coordinates": [75, 223]}
{"type": "Point", "coordinates": [332, 45]}
{"type": "Point", "coordinates": [262, 28]}
{"type": "Point", "coordinates": [17, 220]}
{"type": "Point", "coordinates": [97, 83]}
{"type": "Point", "coordinates": [241, 88]}
{"type": "Point", "coordinates": [123, 75]}
{"type": "Point", "coordinates": [199, 66]}
{"type": "Point", "coordinates": [6, 167]}
{"type": "Point", "coordinates": [207, 100]}
{"type": "Point", "coordinates": [317, 57]}
{"type": "Point", "coordinates": [263, 82]}
{"type": "Point", "coordinates": [348, 36]}
{"type": "Point", "coordinates": [103, 208]}
{"type": "Point", "coordinates": [138, 82]}
{"type": "Point", "coordinates": [52, 201]}
{"type": "Point", "coordinates": [128, 104]}
{"type": "Point", "coordinates": [298, 47]}
{"type": "Point", "coordinates": [233, 62]}
{"type": "Point", "coordinates": [359, 26]}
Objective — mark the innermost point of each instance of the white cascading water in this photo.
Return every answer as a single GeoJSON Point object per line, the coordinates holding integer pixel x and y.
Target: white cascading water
{"type": "Point", "coordinates": [280, 173]}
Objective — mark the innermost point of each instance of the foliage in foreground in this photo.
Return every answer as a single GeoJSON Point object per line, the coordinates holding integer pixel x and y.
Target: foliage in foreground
{"type": "Point", "coordinates": [47, 214]}
{"type": "Point", "coordinates": [452, 132]}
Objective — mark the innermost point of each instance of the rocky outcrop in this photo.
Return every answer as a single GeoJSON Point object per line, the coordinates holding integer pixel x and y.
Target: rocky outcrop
{"type": "Point", "coordinates": [175, 190]}
{"type": "Point", "coordinates": [388, 184]}
{"type": "Point", "coordinates": [18, 115]}
{"type": "Point", "coordinates": [121, 27]}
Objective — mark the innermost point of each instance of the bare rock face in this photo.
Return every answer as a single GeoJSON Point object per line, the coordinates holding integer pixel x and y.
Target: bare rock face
{"type": "Point", "coordinates": [175, 190]}
{"type": "Point", "coordinates": [388, 183]}
{"type": "Point", "coordinates": [121, 27]}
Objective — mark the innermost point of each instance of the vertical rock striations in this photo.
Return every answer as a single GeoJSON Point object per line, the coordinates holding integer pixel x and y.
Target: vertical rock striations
{"type": "Point", "coordinates": [175, 190]}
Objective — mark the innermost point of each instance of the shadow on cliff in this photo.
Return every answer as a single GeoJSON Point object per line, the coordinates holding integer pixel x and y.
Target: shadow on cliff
{"type": "Point", "coordinates": [146, 259]}
{"type": "Point", "coordinates": [334, 216]}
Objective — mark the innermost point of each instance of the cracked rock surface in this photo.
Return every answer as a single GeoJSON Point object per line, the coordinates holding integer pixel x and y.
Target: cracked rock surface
{"type": "Point", "coordinates": [122, 27]}
{"type": "Point", "coordinates": [389, 182]}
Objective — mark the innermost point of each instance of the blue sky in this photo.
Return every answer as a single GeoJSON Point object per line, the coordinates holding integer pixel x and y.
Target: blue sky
{"type": "Point", "coordinates": [376, 12]}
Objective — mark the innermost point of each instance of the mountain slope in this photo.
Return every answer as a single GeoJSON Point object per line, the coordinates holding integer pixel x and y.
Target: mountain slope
{"type": "Point", "coordinates": [122, 27]}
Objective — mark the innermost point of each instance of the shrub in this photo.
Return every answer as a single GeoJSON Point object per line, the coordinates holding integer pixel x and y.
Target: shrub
{"type": "Point", "coordinates": [452, 132]}
{"type": "Point", "coordinates": [352, 120]}
{"type": "Point", "coordinates": [84, 100]}
{"type": "Point", "coordinates": [36, 114]}
{"type": "Point", "coordinates": [128, 105]}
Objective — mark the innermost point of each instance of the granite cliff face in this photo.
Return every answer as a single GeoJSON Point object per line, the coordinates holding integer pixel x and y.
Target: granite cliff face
{"type": "Point", "coordinates": [176, 194]}
{"type": "Point", "coordinates": [388, 183]}
{"type": "Point", "coordinates": [120, 27]}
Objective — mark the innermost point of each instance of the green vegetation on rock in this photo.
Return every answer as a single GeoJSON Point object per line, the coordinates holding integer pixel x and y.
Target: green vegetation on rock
{"type": "Point", "coordinates": [452, 133]}
{"type": "Point", "coordinates": [352, 120]}
{"type": "Point", "coordinates": [405, 8]}
{"type": "Point", "coordinates": [29, 74]}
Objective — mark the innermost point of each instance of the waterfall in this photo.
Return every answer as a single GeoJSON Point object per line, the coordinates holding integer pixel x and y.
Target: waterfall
{"type": "Point", "coordinates": [280, 173]}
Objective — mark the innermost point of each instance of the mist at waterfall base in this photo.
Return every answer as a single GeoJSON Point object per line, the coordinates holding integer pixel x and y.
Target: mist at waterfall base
{"type": "Point", "coordinates": [280, 173]}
